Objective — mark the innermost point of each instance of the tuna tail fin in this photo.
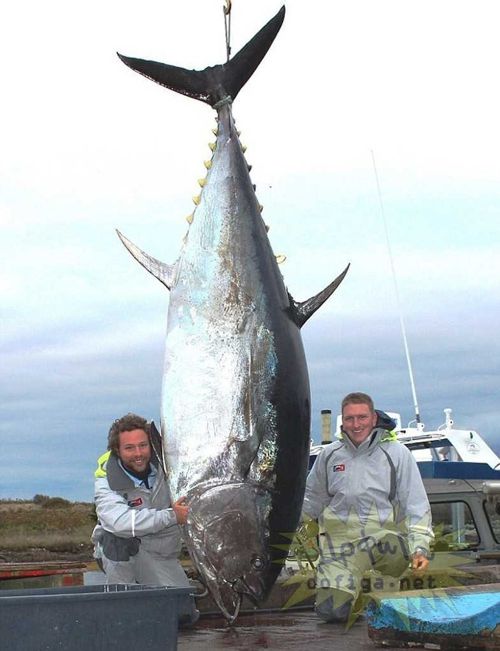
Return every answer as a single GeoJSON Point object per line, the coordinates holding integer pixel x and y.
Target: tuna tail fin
{"type": "Point", "coordinates": [214, 83]}
{"type": "Point", "coordinates": [302, 311]}
{"type": "Point", "coordinates": [164, 272]}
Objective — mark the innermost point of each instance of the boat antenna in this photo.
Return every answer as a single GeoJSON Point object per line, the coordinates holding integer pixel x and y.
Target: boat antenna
{"type": "Point", "coordinates": [398, 301]}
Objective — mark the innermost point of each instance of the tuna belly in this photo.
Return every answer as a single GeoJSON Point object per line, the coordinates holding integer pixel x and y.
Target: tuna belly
{"type": "Point", "coordinates": [216, 407]}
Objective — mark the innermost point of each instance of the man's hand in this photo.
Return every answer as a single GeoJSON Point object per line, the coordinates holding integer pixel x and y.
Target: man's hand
{"type": "Point", "coordinates": [308, 528]}
{"type": "Point", "coordinates": [181, 510]}
{"type": "Point", "coordinates": [419, 561]}
{"type": "Point", "coordinates": [305, 544]}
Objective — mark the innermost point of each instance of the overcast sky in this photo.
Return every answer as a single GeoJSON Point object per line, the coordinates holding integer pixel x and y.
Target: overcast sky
{"type": "Point", "coordinates": [88, 146]}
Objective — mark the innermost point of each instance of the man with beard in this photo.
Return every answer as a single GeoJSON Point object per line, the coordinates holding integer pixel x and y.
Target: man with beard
{"type": "Point", "coordinates": [138, 538]}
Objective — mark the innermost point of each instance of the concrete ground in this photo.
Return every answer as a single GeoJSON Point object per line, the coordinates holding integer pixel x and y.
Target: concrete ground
{"type": "Point", "coordinates": [286, 630]}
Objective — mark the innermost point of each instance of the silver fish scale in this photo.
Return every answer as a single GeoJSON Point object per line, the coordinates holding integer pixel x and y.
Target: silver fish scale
{"type": "Point", "coordinates": [220, 360]}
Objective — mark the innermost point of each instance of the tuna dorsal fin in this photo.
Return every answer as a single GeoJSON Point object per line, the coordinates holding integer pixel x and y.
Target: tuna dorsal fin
{"type": "Point", "coordinates": [164, 272]}
{"type": "Point", "coordinates": [214, 83]}
{"type": "Point", "coordinates": [302, 311]}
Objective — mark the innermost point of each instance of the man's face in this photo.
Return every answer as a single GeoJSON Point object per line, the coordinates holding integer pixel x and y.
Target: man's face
{"type": "Point", "coordinates": [134, 450]}
{"type": "Point", "coordinates": [358, 421]}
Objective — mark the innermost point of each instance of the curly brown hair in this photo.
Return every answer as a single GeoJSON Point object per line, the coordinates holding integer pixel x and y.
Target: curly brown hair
{"type": "Point", "coordinates": [127, 423]}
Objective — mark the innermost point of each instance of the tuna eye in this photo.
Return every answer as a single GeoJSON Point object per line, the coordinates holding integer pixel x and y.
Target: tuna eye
{"type": "Point", "coordinates": [257, 563]}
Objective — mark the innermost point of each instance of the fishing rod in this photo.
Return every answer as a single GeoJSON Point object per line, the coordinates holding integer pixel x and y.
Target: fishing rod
{"type": "Point", "coordinates": [420, 425]}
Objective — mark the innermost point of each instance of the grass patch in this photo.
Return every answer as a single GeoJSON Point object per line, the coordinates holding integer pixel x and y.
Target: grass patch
{"type": "Point", "coordinates": [54, 524]}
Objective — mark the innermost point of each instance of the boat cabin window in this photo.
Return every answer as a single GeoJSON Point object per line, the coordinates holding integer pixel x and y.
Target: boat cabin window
{"type": "Point", "coordinates": [454, 526]}
{"type": "Point", "coordinates": [493, 514]}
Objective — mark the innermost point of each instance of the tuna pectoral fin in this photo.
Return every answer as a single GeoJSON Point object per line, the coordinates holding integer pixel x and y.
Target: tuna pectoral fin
{"type": "Point", "coordinates": [215, 83]}
{"type": "Point", "coordinates": [302, 311]}
{"type": "Point", "coordinates": [164, 272]}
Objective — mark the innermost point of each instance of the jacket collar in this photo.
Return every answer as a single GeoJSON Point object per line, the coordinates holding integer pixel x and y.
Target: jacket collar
{"type": "Point", "coordinates": [370, 442]}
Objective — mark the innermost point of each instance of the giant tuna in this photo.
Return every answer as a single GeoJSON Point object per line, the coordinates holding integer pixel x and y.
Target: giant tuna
{"type": "Point", "coordinates": [235, 400]}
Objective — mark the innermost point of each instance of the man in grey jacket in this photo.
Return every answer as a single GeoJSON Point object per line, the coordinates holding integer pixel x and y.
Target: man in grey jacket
{"type": "Point", "coordinates": [367, 494]}
{"type": "Point", "coordinates": [138, 532]}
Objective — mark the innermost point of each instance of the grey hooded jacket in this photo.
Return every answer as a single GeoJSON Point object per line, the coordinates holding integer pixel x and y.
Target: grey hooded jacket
{"type": "Point", "coordinates": [130, 516]}
{"type": "Point", "coordinates": [370, 489]}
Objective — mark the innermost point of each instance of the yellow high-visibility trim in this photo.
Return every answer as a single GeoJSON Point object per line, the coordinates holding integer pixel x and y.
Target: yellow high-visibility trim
{"type": "Point", "coordinates": [389, 437]}
{"type": "Point", "coordinates": [101, 465]}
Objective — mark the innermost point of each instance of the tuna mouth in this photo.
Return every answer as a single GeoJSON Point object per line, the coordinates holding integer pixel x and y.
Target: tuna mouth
{"type": "Point", "coordinates": [228, 601]}
{"type": "Point", "coordinates": [254, 590]}
{"type": "Point", "coordinates": [229, 596]}
{"type": "Point", "coordinates": [234, 606]}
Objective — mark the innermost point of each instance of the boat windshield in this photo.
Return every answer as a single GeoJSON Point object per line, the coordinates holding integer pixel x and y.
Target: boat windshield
{"type": "Point", "coordinates": [492, 509]}
{"type": "Point", "coordinates": [454, 526]}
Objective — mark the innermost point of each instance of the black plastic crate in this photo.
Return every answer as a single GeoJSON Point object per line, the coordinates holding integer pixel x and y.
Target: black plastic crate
{"type": "Point", "coordinates": [92, 618]}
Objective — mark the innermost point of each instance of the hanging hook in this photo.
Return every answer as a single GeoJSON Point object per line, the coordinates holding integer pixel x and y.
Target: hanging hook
{"type": "Point", "coordinates": [227, 25]}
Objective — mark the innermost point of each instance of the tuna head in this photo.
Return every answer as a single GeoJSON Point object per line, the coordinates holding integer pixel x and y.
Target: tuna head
{"type": "Point", "coordinates": [227, 535]}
